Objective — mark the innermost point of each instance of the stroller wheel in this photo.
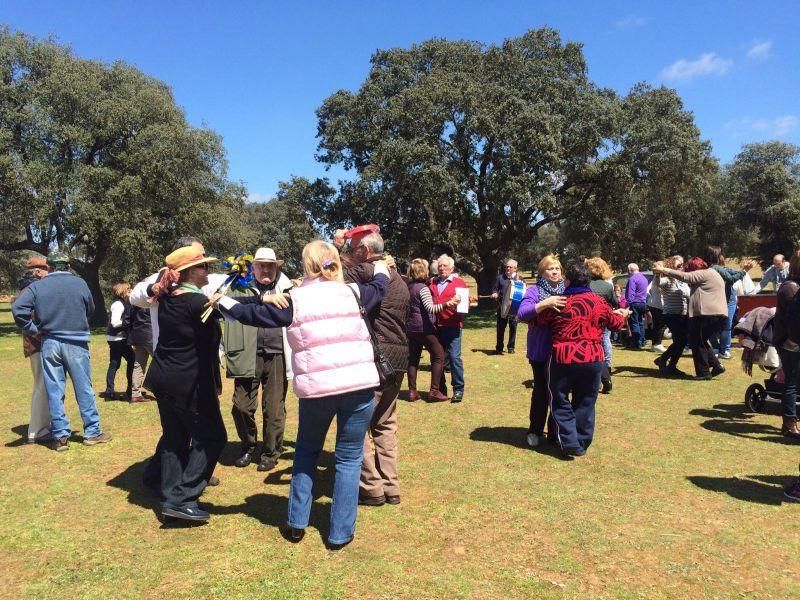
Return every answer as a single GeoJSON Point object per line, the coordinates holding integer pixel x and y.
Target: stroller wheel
{"type": "Point", "coordinates": [755, 397]}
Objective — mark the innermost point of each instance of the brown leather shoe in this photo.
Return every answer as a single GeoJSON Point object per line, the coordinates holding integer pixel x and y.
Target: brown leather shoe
{"type": "Point", "coordinates": [789, 428]}
{"type": "Point", "coordinates": [98, 439]}
{"type": "Point", "coordinates": [437, 396]}
{"type": "Point", "coordinates": [413, 395]}
{"type": "Point", "coordinates": [371, 500]}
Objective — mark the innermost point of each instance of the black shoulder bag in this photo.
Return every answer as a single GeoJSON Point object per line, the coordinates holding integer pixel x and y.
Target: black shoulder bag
{"type": "Point", "coordinates": [386, 372]}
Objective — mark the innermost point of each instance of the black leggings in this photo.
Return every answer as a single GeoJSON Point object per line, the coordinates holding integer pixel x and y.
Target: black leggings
{"type": "Point", "coordinates": [118, 351]}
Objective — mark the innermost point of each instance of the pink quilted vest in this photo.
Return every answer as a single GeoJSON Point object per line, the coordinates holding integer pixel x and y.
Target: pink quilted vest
{"type": "Point", "coordinates": [331, 349]}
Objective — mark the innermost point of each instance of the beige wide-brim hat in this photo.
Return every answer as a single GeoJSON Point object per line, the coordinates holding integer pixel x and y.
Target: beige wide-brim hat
{"type": "Point", "coordinates": [186, 257]}
{"type": "Point", "coordinates": [266, 255]}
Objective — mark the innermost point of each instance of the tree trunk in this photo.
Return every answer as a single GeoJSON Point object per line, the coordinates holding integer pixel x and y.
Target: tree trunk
{"type": "Point", "coordinates": [486, 280]}
{"type": "Point", "coordinates": [91, 275]}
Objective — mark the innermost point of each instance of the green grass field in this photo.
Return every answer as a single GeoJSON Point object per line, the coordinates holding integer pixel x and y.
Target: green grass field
{"type": "Point", "coordinates": [679, 496]}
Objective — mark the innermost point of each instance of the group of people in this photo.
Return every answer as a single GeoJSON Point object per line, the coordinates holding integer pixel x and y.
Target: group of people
{"type": "Point", "coordinates": [345, 335]}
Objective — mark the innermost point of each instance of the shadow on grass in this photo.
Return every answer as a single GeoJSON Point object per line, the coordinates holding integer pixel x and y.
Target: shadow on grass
{"type": "Point", "coordinates": [269, 509]}
{"type": "Point", "coordinates": [487, 351]}
{"type": "Point", "coordinates": [635, 371]}
{"type": "Point", "coordinates": [480, 319]}
{"type": "Point", "coordinates": [736, 420]}
{"type": "Point", "coordinates": [515, 436]}
{"type": "Point", "coordinates": [761, 489]}
{"type": "Point", "coordinates": [22, 432]}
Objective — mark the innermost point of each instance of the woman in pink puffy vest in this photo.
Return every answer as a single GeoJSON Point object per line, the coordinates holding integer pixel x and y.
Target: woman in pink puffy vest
{"type": "Point", "coordinates": [334, 377]}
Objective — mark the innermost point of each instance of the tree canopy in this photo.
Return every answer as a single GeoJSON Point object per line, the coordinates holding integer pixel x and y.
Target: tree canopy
{"type": "Point", "coordinates": [98, 159]}
{"type": "Point", "coordinates": [762, 189]}
{"type": "Point", "coordinates": [282, 224]}
{"type": "Point", "coordinates": [478, 147]}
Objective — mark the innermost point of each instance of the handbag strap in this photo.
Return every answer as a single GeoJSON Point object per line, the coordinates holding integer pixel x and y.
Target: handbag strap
{"type": "Point", "coordinates": [364, 316]}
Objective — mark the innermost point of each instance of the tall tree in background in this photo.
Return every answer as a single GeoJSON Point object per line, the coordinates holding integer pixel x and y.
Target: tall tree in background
{"type": "Point", "coordinates": [455, 143]}
{"type": "Point", "coordinates": [282, 224]}
{"type": "Point", "coordinates": [98, 160]}
{"type": "Point", "coordinates": [655, 194]}
{"type": "Point", "coordinates": [762, 187]}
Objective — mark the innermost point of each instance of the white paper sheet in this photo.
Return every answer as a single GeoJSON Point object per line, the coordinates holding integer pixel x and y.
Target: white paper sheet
{"type": "Point", "coordinates": [463, 305]}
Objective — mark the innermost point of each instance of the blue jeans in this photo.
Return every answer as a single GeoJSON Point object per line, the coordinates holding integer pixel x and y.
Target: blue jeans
{"type": "Point", "coordinates": [58, 359]}
{"type": "Point", "coordinates": [353, 413]}
{"type": "Point", "coordinates": [723, 343]}
{"type": "Point", "coordinates": [450, 339]}
{"type": "Point", "coordinates": [636, 324]}
{"type": "Point", "coordinates": [607, 346]}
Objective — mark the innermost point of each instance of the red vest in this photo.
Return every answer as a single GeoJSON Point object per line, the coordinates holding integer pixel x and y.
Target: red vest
{"type": "Point", "coordinates": [448, 317]}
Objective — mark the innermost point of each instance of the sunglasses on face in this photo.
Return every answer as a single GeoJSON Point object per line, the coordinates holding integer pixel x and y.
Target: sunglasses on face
{"type": "Point", "coordinates": [203, 266]}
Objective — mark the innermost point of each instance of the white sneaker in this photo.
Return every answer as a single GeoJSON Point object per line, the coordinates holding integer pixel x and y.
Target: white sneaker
{"type": "Point", "coordinates": [725, 355]}
{"type": "Point", "coordinates": [660, 349]}
{"type": "Point", "coordinates": [533, 440]}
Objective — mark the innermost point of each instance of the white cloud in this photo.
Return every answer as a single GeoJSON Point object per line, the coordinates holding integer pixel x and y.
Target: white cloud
{"type": "Point", "coordinates": [708, 64]}
{"type": "Point", "coordinates": [259, 198]}
{"type": "Point", "coordinates": [778, 127]}
{"type": "Point", "coordinates": [759, 50]}
{"type": "Point", "coordinates": [632, 22]}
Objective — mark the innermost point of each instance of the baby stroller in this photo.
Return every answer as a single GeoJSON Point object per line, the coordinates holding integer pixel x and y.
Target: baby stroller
{"type": "Point", "coordinates": [755, 336]}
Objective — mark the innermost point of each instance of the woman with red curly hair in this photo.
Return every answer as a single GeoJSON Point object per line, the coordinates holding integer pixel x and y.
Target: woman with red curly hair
{"type": "Point", "coordinates": [708, 309]}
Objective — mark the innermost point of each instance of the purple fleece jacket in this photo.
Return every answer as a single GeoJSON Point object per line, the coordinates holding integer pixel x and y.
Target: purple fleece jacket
{"type": "Point", "coordinates": [540, 342]}
{"type": "Point", "coordinates": [636, 290]}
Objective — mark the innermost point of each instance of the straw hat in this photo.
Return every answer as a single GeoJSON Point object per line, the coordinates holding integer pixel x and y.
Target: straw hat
{"type": "Point", "coordinates": [188, 256]}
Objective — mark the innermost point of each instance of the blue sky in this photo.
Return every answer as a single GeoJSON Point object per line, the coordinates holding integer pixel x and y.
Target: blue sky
{"type": "Point", "coordinates": [256, 71]}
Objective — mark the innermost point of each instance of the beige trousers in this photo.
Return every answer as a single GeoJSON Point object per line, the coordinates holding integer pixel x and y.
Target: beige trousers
{"type": "Point", "coordinates": [39, 424]}
{"type": "Point", "coordinates": [141, 355]}
{"type": "Point", "coordinates": [379, 468]}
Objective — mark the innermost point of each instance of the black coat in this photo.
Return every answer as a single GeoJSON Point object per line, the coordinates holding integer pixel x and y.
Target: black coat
{"type": "Point", "coordinates": [141, 329]}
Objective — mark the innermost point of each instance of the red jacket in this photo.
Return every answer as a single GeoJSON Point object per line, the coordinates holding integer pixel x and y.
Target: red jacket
{"type": "Point", "coordinates": [578, 328]}
{"type": "Point", "coordinates": [448, 317]}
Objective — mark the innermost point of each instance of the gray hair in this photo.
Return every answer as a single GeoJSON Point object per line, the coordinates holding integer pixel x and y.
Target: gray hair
{"type": "Point", "coordinates": [633, 268]}
{"type": "Point", "coordinates": [374, 242]}
{"type": "Point", "coordinates": [509, 261]}
{"type": "Point", "coordinates": [448, 260]}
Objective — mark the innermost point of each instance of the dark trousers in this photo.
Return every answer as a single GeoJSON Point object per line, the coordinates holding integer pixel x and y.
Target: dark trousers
{"type": "Point", "coordinates": [191, 444]}
{"type": "Point", "coordinates": [540, 400]}
{"type": "Point", "coordinates": [574, 418]}
{"type": "Point", "coordinates": [658, 324]}
{"type": "Point", "coordinates": [416, 342]}
{"type": "Point", "coordinates": [501, 332]}
{"type": "Point", "coordinates": [636, 326]}
{"type": "Point", "coordinates": [118, 351]}
{"type": "Point", "coordinates": [679, 326]}
{"type": "Point", "coordinates": [271, 376]}
{"type": "Point", "coordinates": [790, 362]}
{"type": "Point", "coordinates": [701, 330]}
